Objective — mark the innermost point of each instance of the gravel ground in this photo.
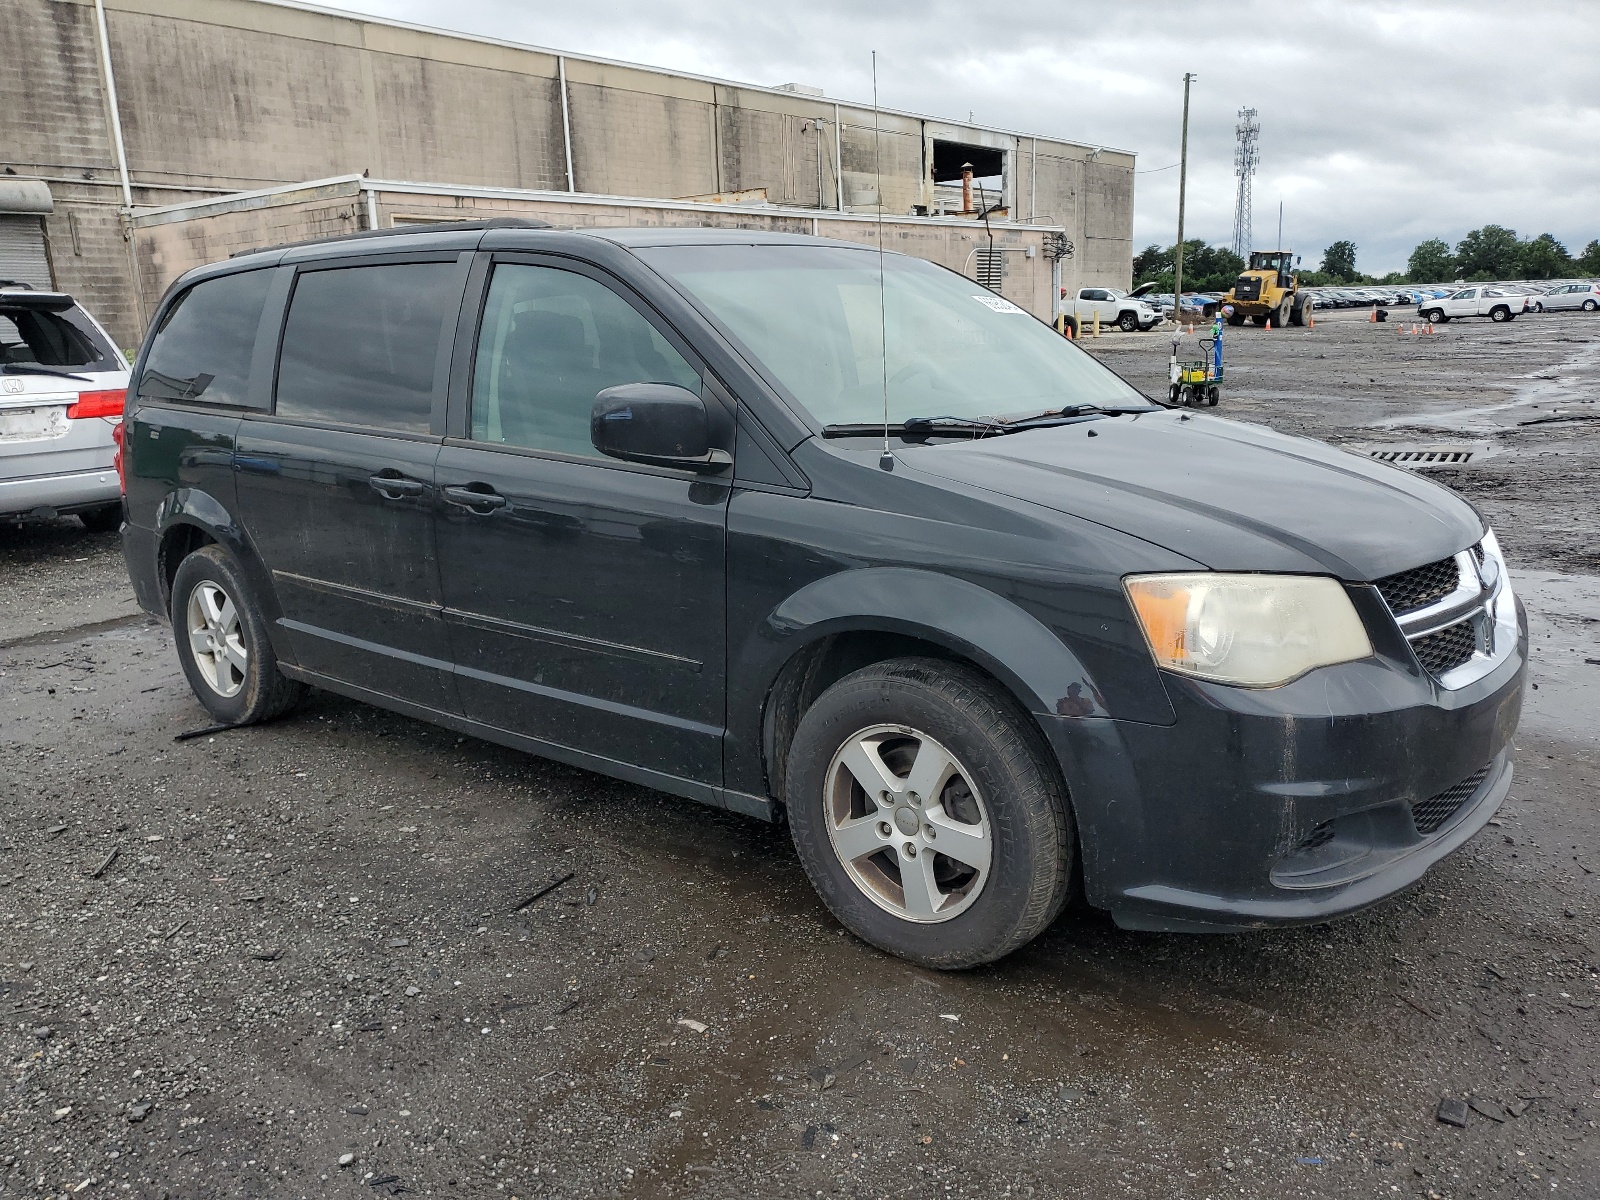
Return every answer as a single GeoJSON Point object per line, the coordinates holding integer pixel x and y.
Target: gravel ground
{"type": "Point", "coordinates": [324, 957]}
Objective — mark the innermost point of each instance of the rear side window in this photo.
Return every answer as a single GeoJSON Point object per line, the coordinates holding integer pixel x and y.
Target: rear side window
{"type": "Point", "coordinates": [360, 344]}
{"type": "Point", "coordinates": [202, 349]}
{"type": "Point", "coordinates": [50, 339]}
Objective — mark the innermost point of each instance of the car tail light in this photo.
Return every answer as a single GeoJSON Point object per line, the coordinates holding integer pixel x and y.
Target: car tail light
{"type": "Point", "coordinates": [118, 432]}
{"type": "Point", "coordinates": [99, 404]}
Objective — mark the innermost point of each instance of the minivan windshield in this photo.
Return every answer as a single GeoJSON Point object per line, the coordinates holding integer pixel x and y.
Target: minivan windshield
{"type": "Point", "coordinates": [810, 315]}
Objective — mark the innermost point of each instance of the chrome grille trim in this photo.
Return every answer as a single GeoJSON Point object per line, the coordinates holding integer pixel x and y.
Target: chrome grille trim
{"type": "Point", "coordinates": [1483, 599]}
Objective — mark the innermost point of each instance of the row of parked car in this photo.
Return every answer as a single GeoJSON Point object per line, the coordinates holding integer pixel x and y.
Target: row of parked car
{"type": "Point", "coordinates": [1504, 302]}
{"type": "Point", "coordinates": [1535, 297]}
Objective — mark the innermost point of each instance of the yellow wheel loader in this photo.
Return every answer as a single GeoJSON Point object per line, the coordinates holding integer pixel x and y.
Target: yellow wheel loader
{"type": "Point", "coordinates": [1269, 290]}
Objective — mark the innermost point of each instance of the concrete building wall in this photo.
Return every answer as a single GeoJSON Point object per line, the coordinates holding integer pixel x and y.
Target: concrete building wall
{"type": "Point", "coordinates": [169, 242]}
{"type": "Point", "coordinates": [221, 96]}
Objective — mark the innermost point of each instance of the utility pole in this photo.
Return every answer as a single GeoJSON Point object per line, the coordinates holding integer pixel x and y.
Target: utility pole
{"type": "Point", "coordinates": [1183, 183]}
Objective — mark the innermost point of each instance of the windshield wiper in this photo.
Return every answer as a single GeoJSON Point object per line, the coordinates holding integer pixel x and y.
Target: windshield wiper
{"type": "Point", "coordinates": [977, 427]}
{"type": "Point", "coordinates": [1052, 416]}
{"type": "Point", "coordinates": [36, 369]}
{"type": "Point", "coordinates": [968, 426]}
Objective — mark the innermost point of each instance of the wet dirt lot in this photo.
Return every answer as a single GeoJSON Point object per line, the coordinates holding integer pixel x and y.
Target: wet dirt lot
{"type": "Point", "coordinates": [318, 958]}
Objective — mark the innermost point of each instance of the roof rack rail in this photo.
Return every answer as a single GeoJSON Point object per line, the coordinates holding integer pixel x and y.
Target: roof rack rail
{"type": "Point", "coordinates": [403, 230]}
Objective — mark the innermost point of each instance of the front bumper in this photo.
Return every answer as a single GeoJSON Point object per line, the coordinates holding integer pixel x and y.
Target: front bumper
{"type": "Point", "coordinates": [1288, 805]}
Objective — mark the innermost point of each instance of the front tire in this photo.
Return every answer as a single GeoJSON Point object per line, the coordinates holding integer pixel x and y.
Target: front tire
{"type": "Point", "coordinates": [1435, 316]}
{"type": "Point", "coordinates": [1128, 322]}
{"type": "Point", "coordinates": [927, 814]}
{"type": "Point", "coordinates": [222, 642]}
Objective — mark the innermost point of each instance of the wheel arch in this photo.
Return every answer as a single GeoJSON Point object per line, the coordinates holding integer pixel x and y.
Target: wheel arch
{"type": "Point", "coordinates": [189, 519]}
{"type": "Point", "coordinates": [843, 622]}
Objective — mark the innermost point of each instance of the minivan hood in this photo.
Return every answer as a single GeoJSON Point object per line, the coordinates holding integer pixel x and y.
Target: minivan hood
{"type": "Point", "coordinates": [1230, 495]}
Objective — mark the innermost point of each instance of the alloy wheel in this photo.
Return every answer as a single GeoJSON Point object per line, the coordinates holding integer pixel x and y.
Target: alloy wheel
{"type": "Point", "coordinates": [908, 824]}
{"type": "Point", "coordinates": [216, 638]}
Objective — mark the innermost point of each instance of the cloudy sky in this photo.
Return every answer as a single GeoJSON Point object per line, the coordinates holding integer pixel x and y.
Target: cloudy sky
{"type": "Point", "coordinates": [1384, 123]}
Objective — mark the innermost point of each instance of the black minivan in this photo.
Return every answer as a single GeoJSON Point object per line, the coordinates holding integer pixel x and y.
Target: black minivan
{"type": "Point", "coordinates": [793, 528]}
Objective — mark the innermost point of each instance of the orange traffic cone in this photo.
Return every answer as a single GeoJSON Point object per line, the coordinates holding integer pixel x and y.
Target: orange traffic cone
{"type": "Point", "coordinates": [1311, 322]}
{"type": "Point", "coordinates": [1269, 324]}
{"type": "Point", "coordinates": [1430, 327]}
{"type": "Point", "coordinates": [1372, 317]}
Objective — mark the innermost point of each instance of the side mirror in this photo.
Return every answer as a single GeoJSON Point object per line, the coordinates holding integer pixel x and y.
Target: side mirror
{"type": "Point", "coordinates": [656, 423]}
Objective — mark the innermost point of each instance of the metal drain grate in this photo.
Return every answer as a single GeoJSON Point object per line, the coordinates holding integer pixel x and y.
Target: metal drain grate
{"type": "Point", "coordinates": [1418, 456]}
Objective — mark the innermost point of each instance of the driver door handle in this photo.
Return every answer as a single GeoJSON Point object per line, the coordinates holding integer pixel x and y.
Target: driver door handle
{"type": "Point", "coordinates": [479, 501]}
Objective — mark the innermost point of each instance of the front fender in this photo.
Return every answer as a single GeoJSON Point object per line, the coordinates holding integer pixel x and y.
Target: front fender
{"type": "Point", "coordinates": [1042, 672]}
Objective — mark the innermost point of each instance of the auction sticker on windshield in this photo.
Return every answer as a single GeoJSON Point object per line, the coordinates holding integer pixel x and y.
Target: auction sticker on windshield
{"type": "Point", "coordinates": [998, 303]}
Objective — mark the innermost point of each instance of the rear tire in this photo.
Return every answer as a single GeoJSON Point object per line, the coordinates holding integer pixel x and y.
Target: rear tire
{"type": "Point", "coordinates": [992, 795]}
{"type": "Point", "coordinates": [1591, 305]}
{"type": "Point", "coordinates": [1500, 314]}
{"type": "Point", "coordinates": [107, 518]}
{"type": "Point", "coordinates": [222, 642]}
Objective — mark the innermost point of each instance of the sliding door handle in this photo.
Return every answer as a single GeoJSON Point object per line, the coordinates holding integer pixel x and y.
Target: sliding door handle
{"type": "Point", "coordinates": [480, 498]}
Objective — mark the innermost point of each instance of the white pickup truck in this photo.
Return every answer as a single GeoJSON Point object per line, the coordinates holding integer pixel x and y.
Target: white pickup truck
{"type": "Point", "coordinates": [1116, 308]}
{"type": "Point", "coordinates": [1480, 300]}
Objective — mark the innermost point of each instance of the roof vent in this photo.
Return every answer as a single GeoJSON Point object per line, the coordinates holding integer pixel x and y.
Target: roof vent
{"type": "Point", "coordinates": [803, 89]}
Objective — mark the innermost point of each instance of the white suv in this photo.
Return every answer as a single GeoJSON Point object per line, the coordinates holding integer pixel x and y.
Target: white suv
{"type": "Point", "coordinates": [1570, 295]}
{"type": "Point", "coordinates": [62, 388]}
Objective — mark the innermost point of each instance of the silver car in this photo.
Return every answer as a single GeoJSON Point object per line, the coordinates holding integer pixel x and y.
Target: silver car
{"type": "Point", "coordinates": [1569, 295]}
{"type": "Point", "coordinates": [62, 387]}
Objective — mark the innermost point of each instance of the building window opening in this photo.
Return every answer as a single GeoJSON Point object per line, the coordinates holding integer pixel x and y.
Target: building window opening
{"type": "Point", "coordinates": [968, 180]}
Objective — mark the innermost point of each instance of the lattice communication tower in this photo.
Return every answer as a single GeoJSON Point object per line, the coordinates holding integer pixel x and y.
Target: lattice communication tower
{"type": "Point", "coordinates": [1246, 154]}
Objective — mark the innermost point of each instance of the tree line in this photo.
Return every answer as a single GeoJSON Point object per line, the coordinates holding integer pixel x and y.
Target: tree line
{"type": "Point", "coordinates": [1493, 252]}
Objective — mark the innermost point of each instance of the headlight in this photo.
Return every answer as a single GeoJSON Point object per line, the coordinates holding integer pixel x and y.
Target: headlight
{"type": "Point", "coordinates": [1247, 630]}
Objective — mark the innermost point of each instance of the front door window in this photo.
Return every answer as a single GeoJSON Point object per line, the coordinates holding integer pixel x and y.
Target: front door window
{"type": "Point", "coordinates": [550, 341]}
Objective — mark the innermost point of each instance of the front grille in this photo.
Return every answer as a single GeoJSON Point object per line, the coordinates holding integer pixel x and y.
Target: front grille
{"type": "Point", "coordinates": [1430, 814]}
{"type": "Point", "coordinates": [1448, 648]}
{"type": "Point", "coordinates": [1248, 288]}
{"type": "Point", "coordinates": [1420, 586]}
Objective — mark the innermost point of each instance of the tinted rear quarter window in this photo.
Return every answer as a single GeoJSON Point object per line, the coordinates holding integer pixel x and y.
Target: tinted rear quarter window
{"type": "Point", "coordinates": [202, 350]}
{"type": "Point", "coordinates": [361, 343]}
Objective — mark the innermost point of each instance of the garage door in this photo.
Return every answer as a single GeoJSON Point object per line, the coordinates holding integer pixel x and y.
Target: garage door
{"type": "Point", "coordinates": [22, 255]}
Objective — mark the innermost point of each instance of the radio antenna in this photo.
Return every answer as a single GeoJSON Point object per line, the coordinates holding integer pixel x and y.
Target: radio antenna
{"type": "Point", "coordinates": [886, 460]}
